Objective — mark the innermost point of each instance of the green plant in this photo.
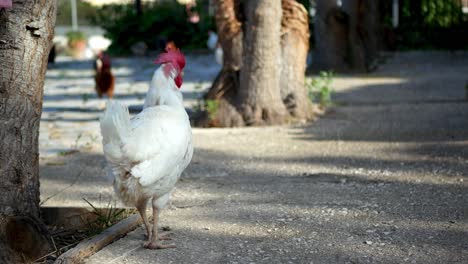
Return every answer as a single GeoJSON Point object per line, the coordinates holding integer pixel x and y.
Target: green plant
{"type": "Point", "coordinates": [428, 24]}
{"type": "Point", "coordinates": [62, 74]}
{"type": "Point", "coordinates": [198, 86]}
{"type": "Point", "coordinates": [319, 88]}
{"type": "Point", "coordinates": [74, 36]}
{"type": "Point", "coordinates": [85, 98]}
{"type": "Point", "coordinates": [67, 152]}
{"type": "Point", "coordinates": [105, 217]}
{"type": "Point", "coordinates": [211, 107]}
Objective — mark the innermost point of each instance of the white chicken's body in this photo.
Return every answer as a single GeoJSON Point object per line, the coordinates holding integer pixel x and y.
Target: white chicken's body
{"type": "Point", "coordinates": [148, 153]}
{"type": "Point", "coordinates": [152, 154]}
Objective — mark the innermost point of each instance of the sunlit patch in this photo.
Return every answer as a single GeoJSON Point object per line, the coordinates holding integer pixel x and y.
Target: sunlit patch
{"type": "Point", "coordinates": [341, 83]}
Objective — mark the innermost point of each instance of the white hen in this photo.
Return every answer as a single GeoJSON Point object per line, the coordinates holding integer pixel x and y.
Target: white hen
{"type": "Point", "coordinates": [147, 153]}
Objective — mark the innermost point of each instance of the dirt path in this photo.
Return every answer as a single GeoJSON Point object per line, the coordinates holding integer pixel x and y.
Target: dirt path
{"type": "Point", "coordinates": [381, 178]}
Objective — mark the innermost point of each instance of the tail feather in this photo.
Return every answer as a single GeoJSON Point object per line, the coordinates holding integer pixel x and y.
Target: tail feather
{"type": "Point", "coordinates": [115, 127]}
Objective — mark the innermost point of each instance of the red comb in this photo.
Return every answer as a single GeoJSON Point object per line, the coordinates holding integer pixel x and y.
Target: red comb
{"type": "Point", "coordinates": [171, 56]}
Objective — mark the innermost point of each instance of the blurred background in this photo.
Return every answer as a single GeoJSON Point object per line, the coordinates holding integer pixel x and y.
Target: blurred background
{"type": "Point", "coordinates": [140, 26]}
{"type": "Point", "coordinates": [387, 84]}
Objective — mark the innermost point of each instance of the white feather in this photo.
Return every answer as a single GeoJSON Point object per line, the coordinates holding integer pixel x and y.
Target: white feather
{"type": "Point", "coordinates": [148, 152]}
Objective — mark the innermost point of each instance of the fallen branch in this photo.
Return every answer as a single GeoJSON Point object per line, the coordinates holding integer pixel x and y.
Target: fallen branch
{"type": "Point", "coordinates": [90, 246]}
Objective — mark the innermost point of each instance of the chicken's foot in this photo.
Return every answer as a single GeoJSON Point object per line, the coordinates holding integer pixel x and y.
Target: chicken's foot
{"type": "Point", "coordinates": [165, 236]}
{"type": "Point", "coordinates": [141, 206]}
{"type": "Point", "coordinates": [153, 243]}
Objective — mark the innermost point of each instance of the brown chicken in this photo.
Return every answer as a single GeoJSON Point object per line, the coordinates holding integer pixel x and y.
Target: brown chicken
{"type": "Point", "coordinates": [171, 46]}
{"type": "Point", "coordinates": [104, 77]}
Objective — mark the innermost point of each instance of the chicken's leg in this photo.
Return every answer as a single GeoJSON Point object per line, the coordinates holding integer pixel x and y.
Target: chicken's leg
{"type": "Point", "coordinates": [153, 242]}
{"type": "Point", "coordinates": [141, 206]}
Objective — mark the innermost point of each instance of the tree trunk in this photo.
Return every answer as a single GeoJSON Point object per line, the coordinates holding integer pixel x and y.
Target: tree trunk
{"type": "Point", "coordinates": [265, 45]}
{"type": "Point", "coordinates": [259, 90]}
{"type": "Point", "coordinates": [363, 33]}
{"type": "Point", "coordinates": [294, 49]}
{"type": "Point", "coordinates": [331, 37]}
{"type": "Point", "coordinates": [347, 36]}
{"type": "Point", "coordinates": [225, 87]}
{"type": "Point", "coordinates": [25, 41]}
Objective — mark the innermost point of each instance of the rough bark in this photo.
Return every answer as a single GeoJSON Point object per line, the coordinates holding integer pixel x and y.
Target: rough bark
{"type": "Point", "coordinates": [347, 36]}
{"type": "Point", "coordinates": [25, 41]}
{"type": "Point", "coordinates": [363, 33]}
{"type": "Point", "coordinates": [265, 45]}
{"type": "Point", "coordinates": [259, 90]}
{"type": "Point", "coordinates": [228, 23]}
{"type": "Point", "coordinates": [225, 86]}
{"type": "Point", "coordinates": [331, 37]}
{"type": "Point", "coordinates": [294, 48]}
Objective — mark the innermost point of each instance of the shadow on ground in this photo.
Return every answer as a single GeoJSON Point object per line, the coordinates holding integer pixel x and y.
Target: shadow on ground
{"type": "Point", "coordinates": [380, 178]}
{"type": "Point", "coordinates": [336, 217]}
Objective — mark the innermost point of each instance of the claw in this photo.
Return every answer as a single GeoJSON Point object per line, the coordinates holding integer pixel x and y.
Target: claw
{"type": "Point", "coordinates": [165, 236]}
{"type": "Point", "coordinates": [156, 245]}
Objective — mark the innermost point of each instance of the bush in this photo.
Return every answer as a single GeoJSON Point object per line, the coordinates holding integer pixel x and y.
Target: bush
{"type": "Point", "coordinates": [429, 24]}
{"type": "Point", "coordinates": [319, 88]}
{"type": "Point", "coordinates": [159, 22]}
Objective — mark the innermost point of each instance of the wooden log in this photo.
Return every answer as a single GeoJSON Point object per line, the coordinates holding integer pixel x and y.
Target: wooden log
{"type": "Point", "coordinates": [92, 245]}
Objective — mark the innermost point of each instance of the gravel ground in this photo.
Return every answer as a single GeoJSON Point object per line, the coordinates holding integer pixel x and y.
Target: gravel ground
{"type": "Point", "coordinates": [382, 177]}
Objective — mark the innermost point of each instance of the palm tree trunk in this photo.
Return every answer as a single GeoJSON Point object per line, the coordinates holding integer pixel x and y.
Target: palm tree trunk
{"type": "Point", "coordinates": [265, 46]}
